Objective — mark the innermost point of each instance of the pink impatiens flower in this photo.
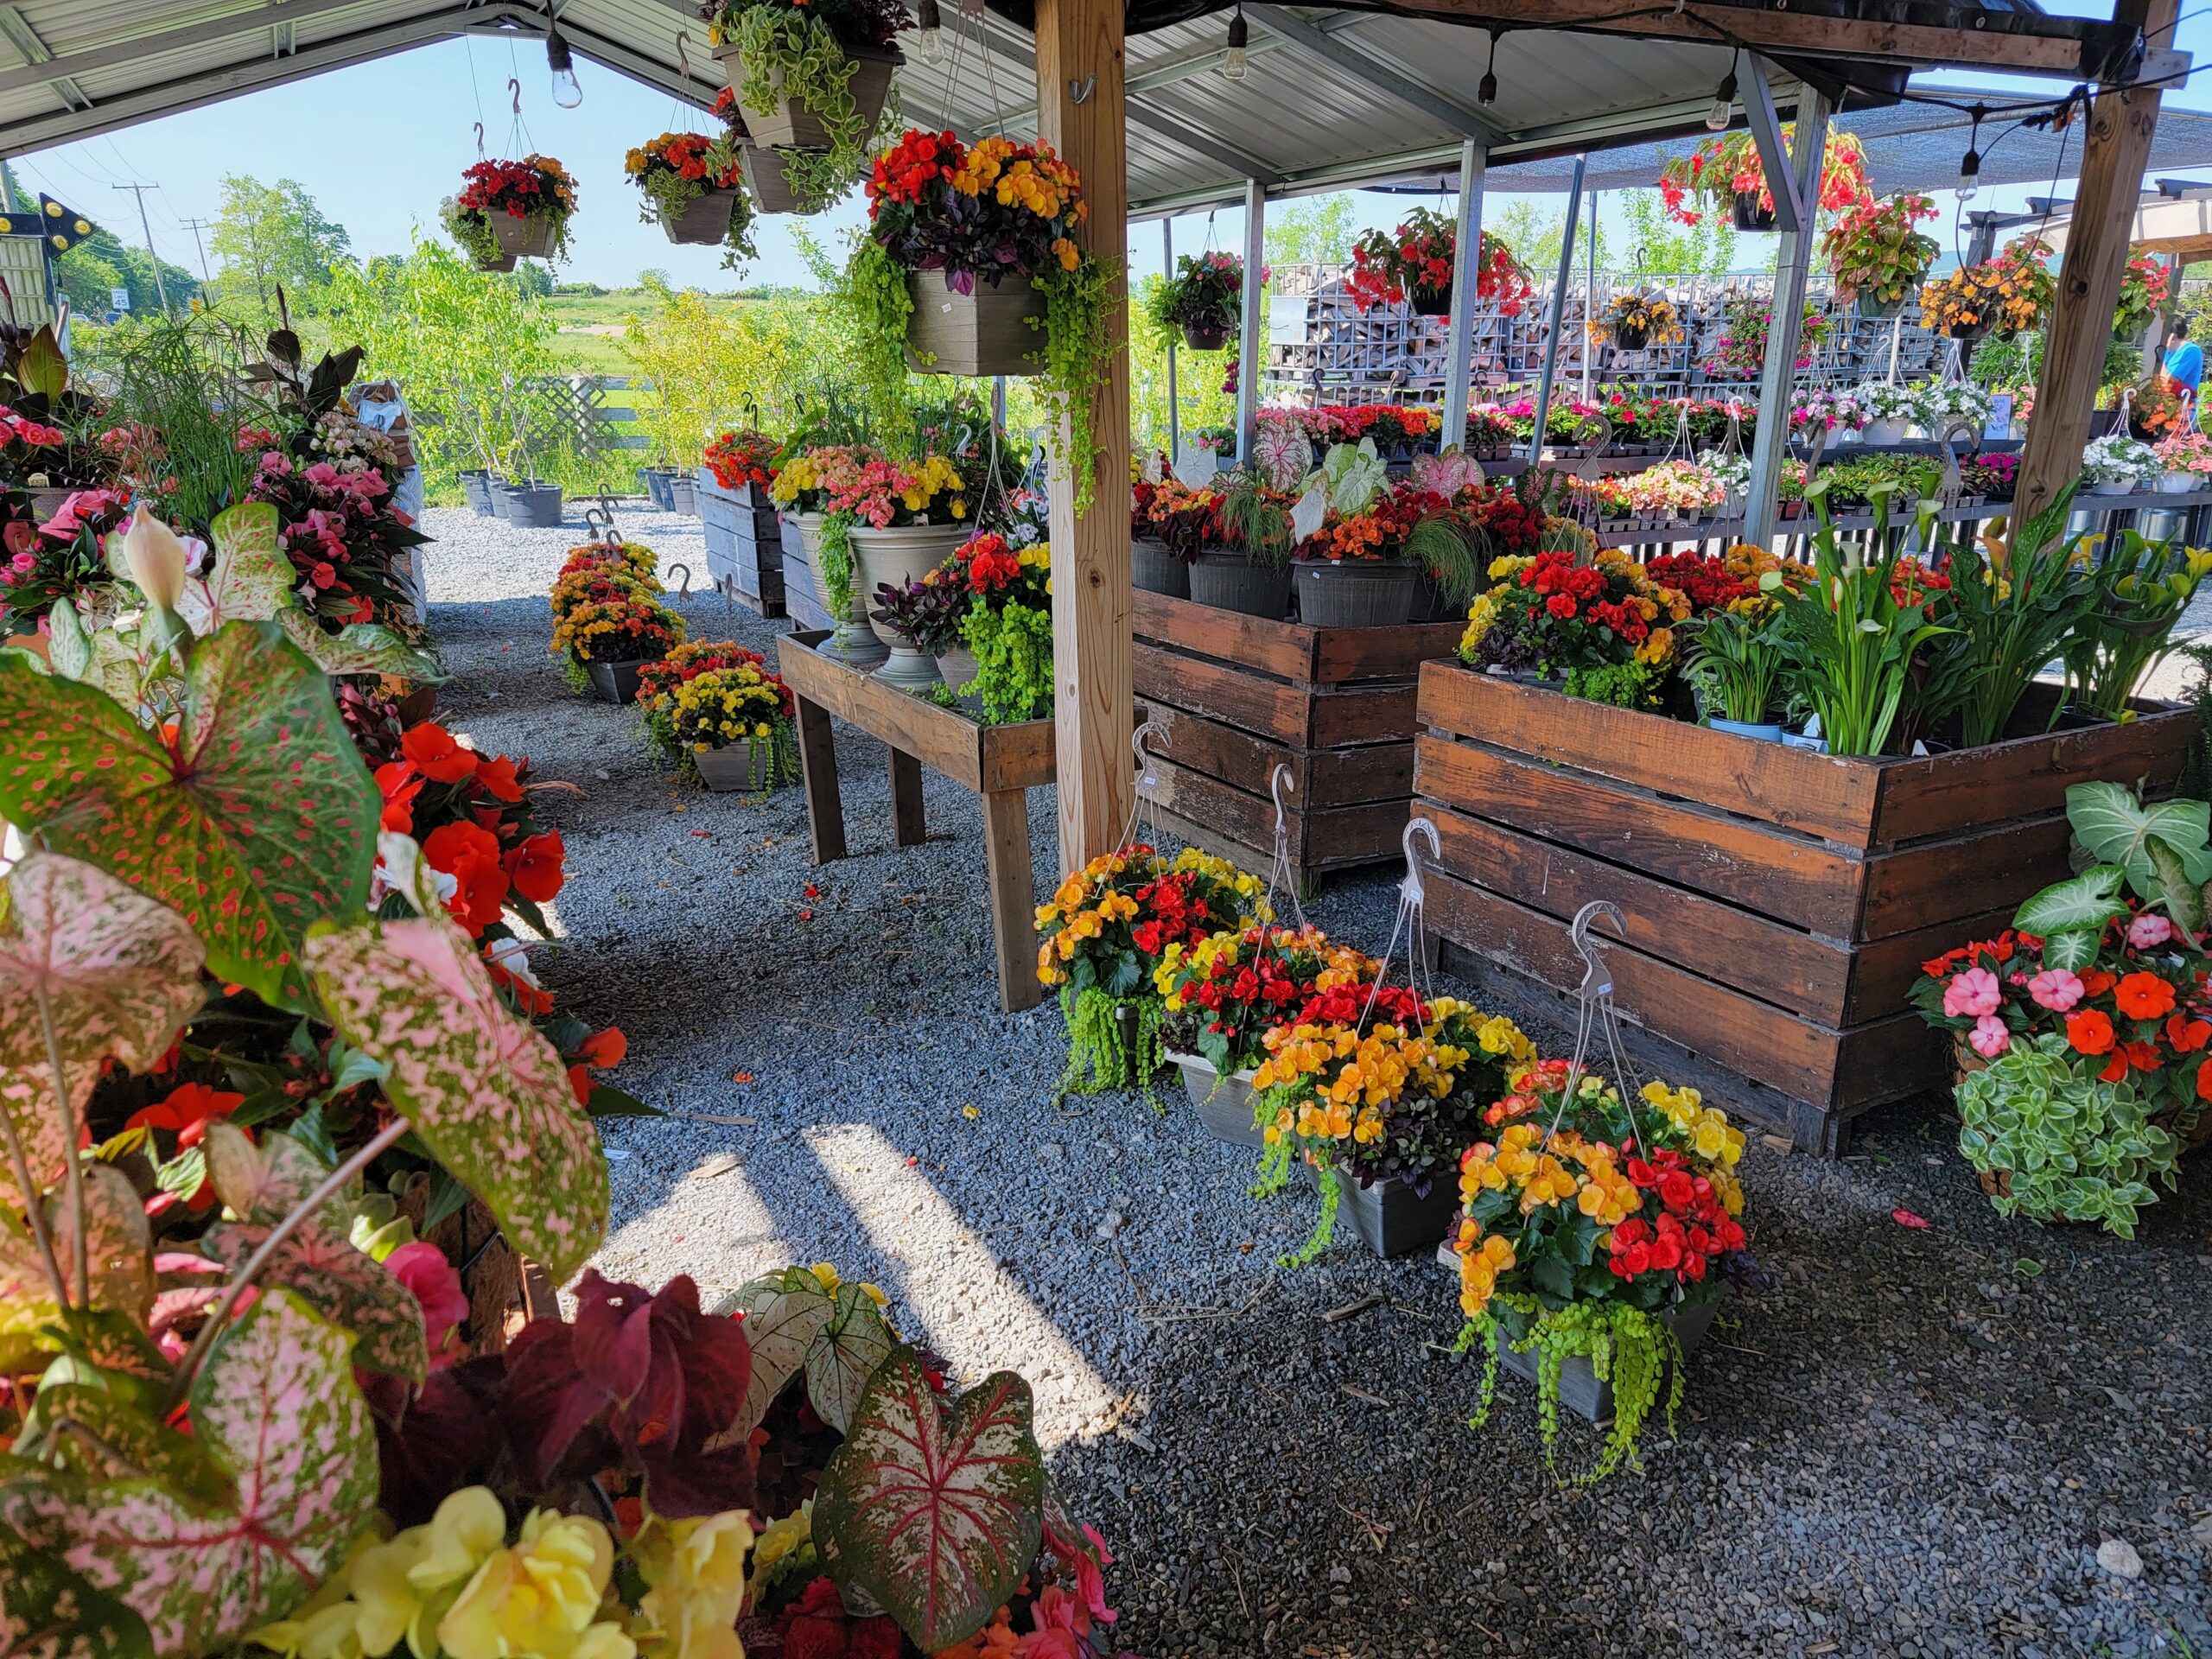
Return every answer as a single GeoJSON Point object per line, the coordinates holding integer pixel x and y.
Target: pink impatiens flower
{"type": "Point", "coordinates": [1989, 1037]}
{"type": "Point", "coordinates": [1972, 994]}
{"type": "Point", "coordinates": [2055, 989]}
{"type": "Point", "coordinates": [2148, 930]}
{"type": "Point", "coordinates": [423, 1268]}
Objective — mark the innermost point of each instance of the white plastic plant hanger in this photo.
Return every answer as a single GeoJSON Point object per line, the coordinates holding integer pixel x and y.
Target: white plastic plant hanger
{"type": "Point", "coordinates": [1409, 921]}
{"type": "Point", "coordinates": [1595, 1011]}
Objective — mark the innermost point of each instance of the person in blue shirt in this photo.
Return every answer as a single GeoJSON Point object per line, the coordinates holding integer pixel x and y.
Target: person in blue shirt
{"type": "Point", "coordinates": [2185, 361]}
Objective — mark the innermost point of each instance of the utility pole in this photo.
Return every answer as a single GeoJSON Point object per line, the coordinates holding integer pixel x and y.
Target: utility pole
{"type": "Point", "coordinates": [146, 225]}
{"type": "Point", "coordinates": [196, 225]}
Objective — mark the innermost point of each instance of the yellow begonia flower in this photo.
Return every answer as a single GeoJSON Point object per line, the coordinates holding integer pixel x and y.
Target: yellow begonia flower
{"type": "Point", "coordinates": [328, 1625]}
{"type": "Point", "coordinates": [696, 1569]}
{"type": "Point", "coordinates": [540, 1598]}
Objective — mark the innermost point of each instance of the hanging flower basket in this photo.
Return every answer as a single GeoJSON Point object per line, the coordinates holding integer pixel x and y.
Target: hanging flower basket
{"type": "Point", "coordinates": [1627, 338]}
{"type": "Point", "coordinates": [1206, 337]}
{"type": "Point", "coordinates": [704, 222]}
{"type": "Point", "coordinates": [1750, 217]}
{"type": "Point", "coordinates": [512, 210]}
{"type": "Point", "coordinates": [1412, 264]}
{"type": "Point", "coordinates": [768, 176]}
{"type": "Point", "coordinates": [1431, 302]}
{"type": "Point", "coordinates": [794, 123]}
{"type": "Point", "coordinates": [990, 331]}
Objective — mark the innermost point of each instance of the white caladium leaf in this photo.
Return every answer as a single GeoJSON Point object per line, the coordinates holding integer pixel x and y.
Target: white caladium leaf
{"type": "Point", "coordinates": [484, 1089]}
{"type": "Point", "coordinates": [117, 973]}
{"type": "Point", "coordinates": [784, 1313]}
{"type": "Point", "coordinates": [277, 1404]}
{"type": "Point", "coordinates": [118, 1245]}
{"type": "Point", "coordinates": [408, 872]}
{"type": "Point", "coordinates": [936, 1515]}
{"type": "Point", "coordinates": [48, 1612]}
{"type": "Point", "coordinates": [68, 647]}
{"type": "Point", "coordinates": [266, 1183]}
{"type": "Point", "coordinates": [1312, 508]}
{"type": "Point", "coordinates": [845, 1355]}
{"type": "Point", "coordinates": [340, 1283]}
{"type": "Point", "coordinates": [248, 578]}
{"type": "Point", "coordinates": [357, 648]}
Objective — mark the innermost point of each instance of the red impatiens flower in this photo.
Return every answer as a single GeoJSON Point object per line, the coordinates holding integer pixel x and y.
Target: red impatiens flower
{"type": "Point", "coordinates": [2144, 996]}
{"type": "Point", "coordinates": [2090, 1032]}
{"type": "Point", "coordinates": [535, 867]}
{"type": "Point", "coordinates": [400, 785]}
{"type": "Point", "coordinates": [187, 1109]}
{"type": "Point", "coordinates": [431, 749]}
{"type": "Point", "coordinates": [497, 774]}
{"type": "Point", "coordinates": [470, 853]}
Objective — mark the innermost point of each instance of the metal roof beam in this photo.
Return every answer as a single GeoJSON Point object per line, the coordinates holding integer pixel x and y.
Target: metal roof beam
{"type": "Point", "coordinates": [197, 91]}
{"type": "Point", "coordinates": [1348, 59]}
{"type": "Point", "coordinates": [625, 60]}
{"type": "Point", "coordinates": [1247, 167]}
{"type": "Point", "coordinates": [19, 33]}
{"type": "Point", "coordinates": [1166, 72]}
{"type": "Point", "coordinates": [271, 14]}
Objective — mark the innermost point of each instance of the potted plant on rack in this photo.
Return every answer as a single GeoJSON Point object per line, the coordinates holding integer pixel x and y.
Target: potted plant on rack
{"type": "Point", "coordinates": [1637, 321]}
{"type": "Point", "coordinates": [2141, 588]}
{"type": "Point", "coordinates": [1940, 405]}
{"type": "Point", "coordinates": [1878, 256]}
{"type": "Point", "coordinates": [512, 210]}
{"type": "Point", "coordinates": [1007, 624]}
{"type": "Point", "coordinates": [1413, 264]}
{"type": "Point", "coordinates": [2001, 295]}
{"type": "Point", "coordinates": [1724, 172]}
{"type": "Point", "coordinates": [2144, 287]}
{"type": "Point", "coordinates": [1597, 1233]}
{"type": "Point", "coordinates": [1201, 303]}
{"type": "Point", "coordinates": [1734, 658]}
{"type": "Point", "coordinates": [695, 190]}
{"type": "Point", "coordinates": [733, 724]}
{"type": "Point", "coordinates": [1169, 527]}
{"type": "Point", "coordinates": [1221, 996]}
{"type": "Point", "coordinates": [2157, 408]}
{"type": "Point", "coordinates": [612, 638]}
{"type": "Point", "coordinates": [802, 488]}
{"type": "Point", "coordinates": [1886, 410]}
{"type": "Point", "coordinates": [2187, 458]}
{"type": "Point", "coordinates": [1104, 932]}
{"type": "Point", "coordinates": [810, 78]}
{"type": "Point", "coordinates": [1593, 624]}
{"type": "Point", "coordinates": [1248, 569]}
{"type": "Point", "coordinates": [2116, 464]}
{"type": "Point", "coordinates": [924, 618]}
{"type": "Point", "coordinates": [900, 521]}
{"type": "Point", "coordinates": [1370, 543]}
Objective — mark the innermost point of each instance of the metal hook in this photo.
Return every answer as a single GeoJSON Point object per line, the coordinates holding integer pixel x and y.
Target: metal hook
{"type": "Point", "coordinates": [1079, 91]}
{"type": "Point", "coordinates": [515, 87]}
{"type": "Point", "coordinates": [1276, 779]}
{"type": "Point", "coordinates": [684, 53]}
{"type": "Point", "coordinates": [1145, 777]}
{"type": "Point", "coordinates": [1421, 829]}
{"type": "Point", "coordinates": [685, 591]}
{"type": "Point", "coordinates": [480, 141]}
{"type": "Point", "coordinates": [1597, 978]}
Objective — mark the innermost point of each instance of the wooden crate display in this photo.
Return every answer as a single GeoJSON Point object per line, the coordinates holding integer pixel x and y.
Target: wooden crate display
{"type": "Point", "coordinates": [802, 601]}
{"type": "Point", "coordinates": [1779, 902]}
{"type": "Point", "coordinates": [745, 544]}
{"type": "Point", "coordinates": [1239, 695]}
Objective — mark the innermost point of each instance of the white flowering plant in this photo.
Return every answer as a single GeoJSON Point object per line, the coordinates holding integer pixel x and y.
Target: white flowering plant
{"type": "Point", "coordinates": [1937, 404]}
{"type": "Point", "coordinates": [2119, 460]}
{"type": "Point", "coordinates": [1881, 400]}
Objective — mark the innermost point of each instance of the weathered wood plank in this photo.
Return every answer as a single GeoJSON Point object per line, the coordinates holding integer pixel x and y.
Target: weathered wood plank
{"type": "Point", "coordinates": [1938, 882]}
{"type": "Point", "coordinates": [1281, 649]}
{"type": "Point", "coordinates": [1271, 707]}
{"type": "Point", "coordinates": [938, 738]}
{"type": "Point", "coordinates": [1361, 714]}
{"type": "Point", "coordinates": [1882, 973]}
{"type": "Point", "coordinates": [1796, 789]}
{"type": "Point", "coordinates": [1809, 884]}
{"type": "Point", "coordinates": [907, 829]}
{"type": "Point", "coordinates": [1238, 759]}
{"type": "Point", "coordinates": [1012, 898]}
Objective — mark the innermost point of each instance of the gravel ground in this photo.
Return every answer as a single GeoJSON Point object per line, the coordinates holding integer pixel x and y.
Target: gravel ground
{"type": "Point", "coordinates": [1909, 1442]}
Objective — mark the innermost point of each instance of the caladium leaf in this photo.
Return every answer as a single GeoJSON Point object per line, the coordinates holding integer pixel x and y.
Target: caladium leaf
{"type": "Point", "coordinates": [936, 1515]}
{"type": "Point", "coordinates": [845, 1354]}
{"type": "Point", "coordinates": [68, 647]}
{"type": "Point", "coordinates": [266, 1183]}
{"type": "Point", "coordinates": [100, 1435]}
{"type": "Point", "coordinates": [784, 1313]}
{"type": "Point", "coordinates": [262, 822]}
{"type": "Point", "coordinates": [249, 577]}
{"type": "Point", "coordinates": [2117, 828]}
{"type": "Point", "coordinates": [277, 1404]}
{"type": "Point", "coordinates": [118, 1245]}
{"type": "Point", "coordinates": [486, 1093]}
{"type": "Point", "coordinates": [2173, 889]}
{"type": "Point", "coordinates": [357, 648]}
{"type": "Point", "coordinates": [2080, 903]}
{"type": "Point", "coordinates": [2072, 951]}
{"type": "Point", "coordinates": [28, 1303]}
{"type": "Point", "coordinates": [116, 974]}
{"type": "Point", "coordinates": [340, 1283]}
{"type": "Point", "coordinates": [48, 1612]}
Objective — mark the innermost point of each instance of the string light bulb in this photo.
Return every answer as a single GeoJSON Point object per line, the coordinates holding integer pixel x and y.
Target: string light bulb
{"type": "Point", "coordinates": [928, 32]}
{"type": "Point", "coordinates": [1235, 64]}
{"type": "Point", "coordinates": [1724, 102]}
{"type": "Point", "coordinates": [1486, 93]}
{"type": "Point", "coordinates": [1970, 163]}
{"type": "Point", "coordinates": [568, 90]}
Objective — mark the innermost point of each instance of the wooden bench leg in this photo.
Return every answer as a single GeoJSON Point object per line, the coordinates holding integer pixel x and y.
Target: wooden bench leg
{"type": "Point", "coordinates": [1013, 897]}
{"type": "Point", "coordinates": [906, 826]}
{"type": "Point", "coordinates": [817, 759]}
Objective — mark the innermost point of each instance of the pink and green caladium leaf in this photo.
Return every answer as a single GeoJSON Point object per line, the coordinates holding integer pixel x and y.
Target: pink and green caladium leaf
{"type": "Point", "coordinates": [484, 1089]}
{"type": "Point", "coordinates": [48, 1612]}
{"type": "Point", "coordinates": [935, 1515]}
{"type": "Point", "coordinates": [248, 579]}
{"type": "Point", "coordinates": [357, 648]}
{"type": "Point", "coordinates": [99, 1435]}
{"type": "Point", "coordinates": [276, 1407]}
{"type": "Point", "coordinates": [262, 821]}
{"type": "Point", "coordinates": [117, 974]}
{"type": "Point", "coordinates": [118, 1245]}
{"type": "Point", "coordinates": [340, 1283]}
{"type": "Point", "coordinates": [266, 1183]}
{"type": "Point", "coordinates": [28, 1304]}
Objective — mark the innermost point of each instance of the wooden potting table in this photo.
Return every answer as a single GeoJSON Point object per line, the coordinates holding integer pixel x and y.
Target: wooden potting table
{"type": "Point", "coordinates": [999, 763]}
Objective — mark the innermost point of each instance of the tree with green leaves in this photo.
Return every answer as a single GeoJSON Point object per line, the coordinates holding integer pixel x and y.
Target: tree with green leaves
{"type": "Point", "coordinates": [272, 236]}
{"type": "Point", "coordinates": [90, 273]}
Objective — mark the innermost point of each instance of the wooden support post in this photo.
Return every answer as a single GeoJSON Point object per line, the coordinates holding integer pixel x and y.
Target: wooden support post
{"type": "Point", "coordinates": [1251, 324]}
{"type": "Point", "coordinates": [1466, 267]}
{"type": "Point", "coordinates": [1556, 316]}
{"type": "Point", "coordinates": [907, 829]}
{"type": "Point", "coordinates": [1080, 113]}
{"type": "Point", "coordinates": [1013, 897]}
{"type": "Point", "coordinates": [1792, 262]}
{"type": "Point", "coordinates": [817, 759]}
{"type": "Point", "coordinates": [2116, 146]}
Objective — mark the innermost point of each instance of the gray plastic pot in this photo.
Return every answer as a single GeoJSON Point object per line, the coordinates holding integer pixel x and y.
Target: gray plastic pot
{"type": "Point", "coordinates": [683, 493]}
{"type": "Point", "coordinates": [1154, 570]}
{"type": "Point", "coordinates": [1580, 1390]}
{"type": "Point", "coordinates": [1224, 1104]}
{"type": "Point", "coordinates": [1232, 581]}
{"type": "Point", "coordinates": [531, 506]}
{"type": "Point", "coordinates": [1355, 592]}
{"type": "Point", "coordinates": [477, 487]}
{"type": "Point", "coordinates": [497, 488]}
{"type": "Point", "coordinates": [728, 770]}
{"type": "Point", "coordinates": [1389, 1219]}
{"type": "Point", "coordinates": [616, 682]}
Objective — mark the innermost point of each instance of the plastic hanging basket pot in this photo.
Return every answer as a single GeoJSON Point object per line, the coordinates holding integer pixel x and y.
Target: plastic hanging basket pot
{"type": "Point", "coordinates": [1629, 337]}
{"type": "Point", "coordinates": [1154, 569]}
{"type": "Point", "coordinates": [1432, 302]}
{"type": "Point", "coordinates": [476, 486]}
{"type": "Point", "coordinates": [729, 769]}
{"type": "Point", "coordinates": [1355, 592]}
{"type": "Point", "coordinates": [1751, 218]}
{"type": "Point", "coordinates": [704, 221]}
{"type": "Point", "coordinates": [1865, 305]}
{"type": "Point", "coordinates": [531, 505]}
{"type": "Point", "coordinates": [992, 331]}
{"type": "Point", "coordinates": [530, 238]}
{"type": "Point", "coordinates": [1967, 332]}
{"type": "Point", "coordinates": [768, 175]}
{"type": "Point", "coordinates": [1207, 336]}
{"type": "Point", "coordinates": [794, 125]}
{"type": "Point", "coordinates": [616, 682]}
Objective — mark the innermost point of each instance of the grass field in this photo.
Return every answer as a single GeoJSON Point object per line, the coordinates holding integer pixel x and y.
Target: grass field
{"type": "Point", "coordinates": [591, 327]}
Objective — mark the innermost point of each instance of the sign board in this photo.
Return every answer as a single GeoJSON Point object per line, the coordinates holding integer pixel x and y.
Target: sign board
{"type": "Point", "coordinates": [118, 299]}
{"type": "Point", "coordinates": [1286, 319]}
{"type": "Point", "coordinates": [2000, 424]}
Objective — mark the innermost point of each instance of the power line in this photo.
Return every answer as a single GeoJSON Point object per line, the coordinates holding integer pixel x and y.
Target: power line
{"type": "Point", "coordinates": [196, 225]}
{"type": "Point", "coordinates": [146, 225]}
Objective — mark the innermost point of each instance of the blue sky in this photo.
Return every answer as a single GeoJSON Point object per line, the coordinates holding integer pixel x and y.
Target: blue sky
{"type": "Point", "coordinates": [379, 144]}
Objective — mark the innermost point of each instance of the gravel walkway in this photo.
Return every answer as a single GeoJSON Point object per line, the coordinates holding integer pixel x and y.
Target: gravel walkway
{"type": "Point", "coordinates": [1911, 1442]}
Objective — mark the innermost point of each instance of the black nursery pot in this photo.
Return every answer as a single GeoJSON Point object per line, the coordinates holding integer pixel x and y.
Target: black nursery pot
{"type": "Point", "coordinates": [1205, 337]}
{"type": "Point", "coordinates": [1750, 216]}
{"type": "Point", "coordinates": [1630, 339]}
{"type": "Point", "coordinates": [1432, 302]}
